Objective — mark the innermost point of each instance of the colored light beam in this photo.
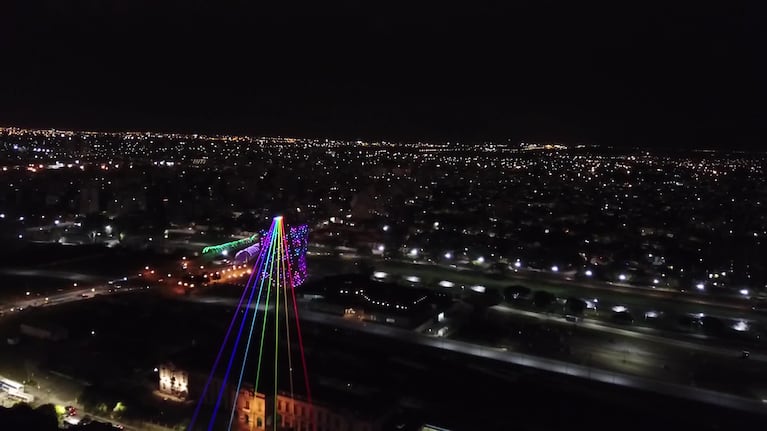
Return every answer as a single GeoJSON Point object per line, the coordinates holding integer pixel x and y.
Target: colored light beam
{"type": "Point", "coordinates": [250, 334]}
{"type": "Point", "coordinates": [263, 335]}
{"type": "Point", "coordinates": [231, 360]}
{"type": "Point", "coordinates": [277, 322]}
{"type": "Point", "coordinates": [281, 248]}
{"type": "Point", "coordinates": [221, 351]}
{"type": "Point", "coordinates": [287, 325]}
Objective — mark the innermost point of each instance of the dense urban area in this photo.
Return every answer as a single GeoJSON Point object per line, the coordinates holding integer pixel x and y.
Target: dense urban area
{"type": "Point", "coordinates": [585, 277]}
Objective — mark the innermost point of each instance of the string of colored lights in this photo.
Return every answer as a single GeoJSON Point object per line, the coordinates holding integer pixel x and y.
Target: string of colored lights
{"type": "Point", "coordinates": [227, 245]}
{"type": "Point", "coordinates": [273, 241]}
{"type": "Point", "coordinates": [222, 348]}
{"type": "Point", "coordinates": [231, 358]}
{"type": "Point", "coordinates": [299, 243]}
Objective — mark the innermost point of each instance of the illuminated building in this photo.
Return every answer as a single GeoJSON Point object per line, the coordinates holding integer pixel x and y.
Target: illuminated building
{"type": "Point", "coordinates": [174, 381]}
{"type": "Point", "coordinates": [294, 414]}
{"type": "Point", "coordinates": [254, 411]}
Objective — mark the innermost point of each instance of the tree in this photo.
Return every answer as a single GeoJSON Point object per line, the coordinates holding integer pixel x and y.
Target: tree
{"type": "Point", "coordinates": [119, 409]}
{"type": "Point", "coordinates": [48, 416]}
{"type": "Point", "coordinates": [712, 325]}
{"type": "Point", "coordinates": [575, 306]}
{"type": "Point", "coordinates": [23, 417]}
{"type": "Point", "coordinates": [364, 267]}
{"type": "Point", "coordinates": [481, 300]}
{"type": "Point", "coordinates": [514, 292]}
{"type": "Point", "coordinates": [623, 317]}
{"type": "Point", "coordinates": [543, 299]}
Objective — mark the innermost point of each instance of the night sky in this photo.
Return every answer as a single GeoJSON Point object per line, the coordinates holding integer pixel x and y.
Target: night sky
{"type": "Point", "coordinates": [649, 74]}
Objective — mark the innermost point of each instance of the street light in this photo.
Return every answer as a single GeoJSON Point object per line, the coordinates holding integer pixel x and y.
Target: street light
{"type": "Point", "coordinates": [589, 273]}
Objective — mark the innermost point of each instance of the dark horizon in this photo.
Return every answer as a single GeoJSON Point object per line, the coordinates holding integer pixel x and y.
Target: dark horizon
{"type": "Point", "coordinates": [667, 77]}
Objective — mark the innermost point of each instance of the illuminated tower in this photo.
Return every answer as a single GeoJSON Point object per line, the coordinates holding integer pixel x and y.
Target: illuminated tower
{"type": "Point", "coordinates": [267, 322]}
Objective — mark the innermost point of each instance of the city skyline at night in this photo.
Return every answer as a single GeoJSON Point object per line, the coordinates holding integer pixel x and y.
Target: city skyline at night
{"type": "Point", "coordinates": [366, 216]}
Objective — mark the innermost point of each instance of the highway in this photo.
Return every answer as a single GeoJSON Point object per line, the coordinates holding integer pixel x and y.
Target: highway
{"type": "Point", "coordinates": [514, 358]}
{"type": "Point", "coordinates": [732, 303]}
{"type": "Point", "coordinates": [67, 296]}
{"type": "Point", "coordinates": [635, 333]}
{"type": "Point", "coordinates": [474, 350]}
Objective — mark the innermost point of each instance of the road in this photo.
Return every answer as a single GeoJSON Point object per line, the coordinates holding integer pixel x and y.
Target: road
{"type": "Point", "coordinates": [595, 287]}
{"type": "Point", "coordinates": [647, 334]}
{"type": "Point", "coordinates": [470, 349]}
{"type": "Point", "coordinates": [525, 360]}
